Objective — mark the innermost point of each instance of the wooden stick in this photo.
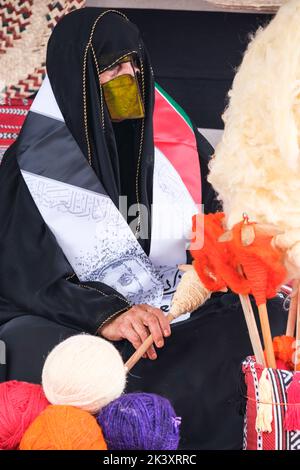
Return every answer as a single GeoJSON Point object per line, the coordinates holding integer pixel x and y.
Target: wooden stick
{"type": "Point", "coordinates": [297, 329]}
{"type": "Point", "coordinates": [252, 329]}
{"type": "Point", "coordinates": [251, 324]}
{"type": "Point", "coordinates": [291, 323]}
{"type": "Point", "coordinates": [142, 349]}
{"type": "Point", "coordinates": [266, 332]}
{"type": "Point", "coordinates": [195, 294]}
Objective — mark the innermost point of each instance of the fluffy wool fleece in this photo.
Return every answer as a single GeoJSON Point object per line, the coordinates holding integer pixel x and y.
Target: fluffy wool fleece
{"type": "Point", "coordinates": [256, 167]}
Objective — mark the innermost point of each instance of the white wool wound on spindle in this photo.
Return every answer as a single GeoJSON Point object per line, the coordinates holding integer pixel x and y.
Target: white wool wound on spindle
{"type": "Point", "coordinates": [189, 295]}
{"type": "Point", "coordinates": [256, 165]}
{"type": "Point", "coordinates": [84, 371]}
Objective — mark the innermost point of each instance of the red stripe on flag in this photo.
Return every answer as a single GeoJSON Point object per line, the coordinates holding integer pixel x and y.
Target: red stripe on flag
{"type": "Point", "coordinates": [176, 140]}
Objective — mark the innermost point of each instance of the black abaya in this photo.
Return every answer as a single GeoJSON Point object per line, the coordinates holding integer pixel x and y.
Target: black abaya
{"type": "Point", "coordinates": [40, 305]}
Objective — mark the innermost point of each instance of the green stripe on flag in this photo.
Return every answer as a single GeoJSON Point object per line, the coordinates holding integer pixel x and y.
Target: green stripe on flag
{"type": "Point", "coordinates": [175, 105]}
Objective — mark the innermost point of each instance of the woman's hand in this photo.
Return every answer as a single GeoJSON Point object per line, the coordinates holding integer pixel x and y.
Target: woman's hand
{"type": "Point", "coordinates": [136, 325]}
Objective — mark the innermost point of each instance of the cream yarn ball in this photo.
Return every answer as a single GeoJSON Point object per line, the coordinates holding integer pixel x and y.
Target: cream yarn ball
{"type": "Point", "coordinates": [84, 371]}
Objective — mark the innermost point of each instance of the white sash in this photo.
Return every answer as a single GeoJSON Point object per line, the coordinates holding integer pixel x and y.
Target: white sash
{"type": "Point", "coordinates": [96, 239]}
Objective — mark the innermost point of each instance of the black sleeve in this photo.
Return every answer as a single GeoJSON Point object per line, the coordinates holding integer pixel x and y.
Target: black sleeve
{"type": "Point", "coordinates": [33, 269]}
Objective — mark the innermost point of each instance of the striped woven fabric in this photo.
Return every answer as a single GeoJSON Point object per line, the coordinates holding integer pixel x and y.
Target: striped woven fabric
{"type": "Point", "coordinates": [12, 115]}
{"type": "Point", "coordinates": [278, 439]}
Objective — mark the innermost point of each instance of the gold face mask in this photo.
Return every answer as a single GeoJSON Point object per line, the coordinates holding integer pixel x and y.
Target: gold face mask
{"type": "Point", "coordinates": [123, 99]}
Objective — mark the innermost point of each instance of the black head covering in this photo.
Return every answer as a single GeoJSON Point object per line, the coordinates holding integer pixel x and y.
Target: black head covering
{"type": "Point", "coordinates": [82, 45]}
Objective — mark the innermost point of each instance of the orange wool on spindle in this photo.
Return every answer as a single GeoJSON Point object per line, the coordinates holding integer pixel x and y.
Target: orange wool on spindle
{"type": "Point", "coordinates": [219, 263]}
{"type": "Point", "coordinates": [214, 263]}
{"type": "Point", "coordinates": [261, 262]}
{"type": "Point", "coordinates": [206, 258]}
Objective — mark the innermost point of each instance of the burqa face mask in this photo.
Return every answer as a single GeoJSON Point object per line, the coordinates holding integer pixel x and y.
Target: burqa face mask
{"type": "Point", "coordinates": [123, 98]}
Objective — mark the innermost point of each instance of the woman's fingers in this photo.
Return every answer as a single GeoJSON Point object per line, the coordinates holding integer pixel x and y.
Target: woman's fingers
{"type": "Point", "coordinates": [143, 333]}
{"type": "Point", "coordinates": [129, 333]}
{"type": "Point", "coordinates": [162, 319]}
{"type": "Point", "coordinates": [136, 324]}
{"type": "Point", "coordinates": [156, 322]}
{"type": "Point", "coordinates": [152, 323]}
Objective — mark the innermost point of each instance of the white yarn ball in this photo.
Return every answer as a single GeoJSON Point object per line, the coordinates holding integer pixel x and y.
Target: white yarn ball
{"type": "Point", "coordinates": [84, 371]}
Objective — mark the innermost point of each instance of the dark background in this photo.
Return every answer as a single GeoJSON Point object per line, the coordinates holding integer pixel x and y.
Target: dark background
{"type": "Point", "coordinates": [195, 55]}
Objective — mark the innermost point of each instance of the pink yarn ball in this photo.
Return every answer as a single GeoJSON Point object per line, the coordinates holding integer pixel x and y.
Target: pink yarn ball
{"type": "Point", "coordinates": [20, 404]}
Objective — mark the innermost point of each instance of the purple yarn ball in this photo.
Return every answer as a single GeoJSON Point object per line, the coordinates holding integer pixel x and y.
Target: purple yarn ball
{"type": "Point", "coordinates": [140, 421]}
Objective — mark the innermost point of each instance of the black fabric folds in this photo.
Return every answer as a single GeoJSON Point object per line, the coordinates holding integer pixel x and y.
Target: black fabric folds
{"type": "Point", "coordinates": [33, 268]}
{"type": "Point", "coordinates": [114, 36]}
{"type": "Point", "coordinates": [41, 300]}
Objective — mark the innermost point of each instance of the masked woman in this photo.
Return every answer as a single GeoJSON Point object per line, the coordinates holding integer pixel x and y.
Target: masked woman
{"type": "Point", "coordinates": [73, 259]}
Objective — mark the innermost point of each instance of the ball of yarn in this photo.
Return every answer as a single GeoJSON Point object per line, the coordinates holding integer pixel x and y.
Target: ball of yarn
{"type": "Point", "coordinates": [63, 428]}
{"type": "Point", "coordinates": [140, 421]}
{"type": "Point", "coordinates": [20, 404]}
{"type": "Point", "coordinates": [84, 371]}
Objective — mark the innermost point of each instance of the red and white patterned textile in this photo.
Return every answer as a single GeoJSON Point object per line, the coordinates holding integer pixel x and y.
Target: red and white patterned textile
{"type": "Point", "coordinates": [12, 115]}
{"type": "Point", "coordinates": [278, 439]}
